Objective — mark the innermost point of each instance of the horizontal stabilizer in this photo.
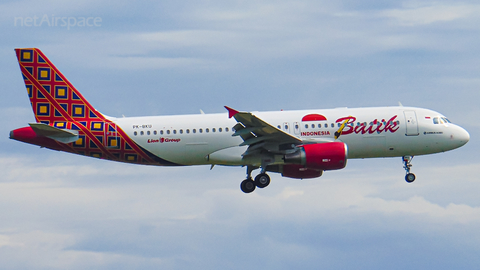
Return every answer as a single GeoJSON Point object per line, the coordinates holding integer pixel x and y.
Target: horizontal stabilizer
{"type": "Point", "coordinates": [60, 135]}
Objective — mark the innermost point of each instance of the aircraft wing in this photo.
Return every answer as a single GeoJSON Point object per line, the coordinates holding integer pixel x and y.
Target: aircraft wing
{"type": "Point", "coordinates": [260, 135]}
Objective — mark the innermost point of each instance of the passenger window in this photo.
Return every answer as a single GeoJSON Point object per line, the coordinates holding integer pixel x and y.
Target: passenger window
{"type": "Point", "coordinates": [181, 131]}
{"type": "Point", "coordinates": [207, 130]}
{"type": "Point", "coordinates": [200, 130]}
{"type": "Point", "coordinates": [194, 130]}
{"type": "Point", "coordinates": [188, 131]}
{"type": "Point", "coordinates": [135, 133]}
{"type": "Point", "coordinates": [168, 131]}
{"type": "Point", "coordinates": [141, 132]}
{"type": "Point", "coordinates": [148, 132]}
{"type": "Point", "coordinates": [319, 125]}
{"type": "Point", "coordinates": [326, 125]}
{"type": "Point", "coordinates": [161, 132]}
{"type": "Point", "coordinates": [306, 126]}
{"type": "Point", "coordinates": [333, 125]}
{"type": "Point", "coordinates": [313, 125]}
{"type": "Point", "coordinates": [213, 129]}
{"type": "Point", "coordinates": [279, 127]}
{"type": "Point", "coordinates": [174, 131]}
{"type": "Point", "coordinates": [226, 129]}
{"type": "Point", "coordinates": [154, 132]}
{"type": "Point", "coordinates": [219, 129]}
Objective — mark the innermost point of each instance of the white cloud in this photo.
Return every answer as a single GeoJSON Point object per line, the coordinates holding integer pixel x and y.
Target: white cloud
{"type": "Point", "coordinates": [91, 213]}
{"type": "Point", "coordinates": [51, 250]}
{"type": "Point", "coordinates": [431, 14]}
{"type": "Point", "coordinates": [226, 37]}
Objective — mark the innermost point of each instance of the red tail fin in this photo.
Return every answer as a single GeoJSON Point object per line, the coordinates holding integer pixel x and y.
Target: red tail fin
{"type": "Point", "coordinates": [53, 98]}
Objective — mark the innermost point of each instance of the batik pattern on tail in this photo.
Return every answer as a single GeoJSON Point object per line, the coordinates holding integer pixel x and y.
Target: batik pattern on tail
{"type": "Point", "coordinates": [56, 102]}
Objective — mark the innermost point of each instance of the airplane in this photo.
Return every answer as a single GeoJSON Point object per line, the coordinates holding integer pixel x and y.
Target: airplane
{"type": "Point", "coordinates": [297, 144]}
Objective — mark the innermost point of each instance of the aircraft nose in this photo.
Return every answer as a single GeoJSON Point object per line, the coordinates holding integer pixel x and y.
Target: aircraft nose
{"type": "Point", "coordinates": [462, 136]}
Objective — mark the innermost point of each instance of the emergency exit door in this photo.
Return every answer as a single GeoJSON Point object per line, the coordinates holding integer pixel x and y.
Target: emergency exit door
{"type": "Point", "coordinates": [411, 123]}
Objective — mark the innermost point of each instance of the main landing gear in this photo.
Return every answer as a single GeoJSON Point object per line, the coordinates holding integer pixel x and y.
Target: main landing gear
{"type": "Point", "coordinates": [409, 177]}
{"type": "Point", "coordinates": [248, 185]}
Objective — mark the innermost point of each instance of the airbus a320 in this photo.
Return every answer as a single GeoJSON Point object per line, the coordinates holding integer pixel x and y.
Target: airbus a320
{"type": "Point", "coordinates": [297, 144]}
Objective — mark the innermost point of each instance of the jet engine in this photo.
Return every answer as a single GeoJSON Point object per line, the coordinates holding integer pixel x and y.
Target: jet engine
{"type": "Point", "coordinates": [319, 156]}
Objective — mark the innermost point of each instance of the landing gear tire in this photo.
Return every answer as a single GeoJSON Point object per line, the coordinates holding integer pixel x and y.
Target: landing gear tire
{"type": "Point", "coordinates": [262, 180]}
{"type": "Point", "coordinates": [247, 185]}
{"type": "Point", "coordinates": [410, 177]}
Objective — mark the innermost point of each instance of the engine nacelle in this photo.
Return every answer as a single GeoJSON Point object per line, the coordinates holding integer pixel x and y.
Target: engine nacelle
{"type": "Point", "coordinates": [300, 172]}
{"type": "Point", "coordinates": [320, 156]}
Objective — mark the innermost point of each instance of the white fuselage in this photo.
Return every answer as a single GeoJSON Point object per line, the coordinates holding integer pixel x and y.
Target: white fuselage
{"type": "Point", "coordinates": [369, 132]}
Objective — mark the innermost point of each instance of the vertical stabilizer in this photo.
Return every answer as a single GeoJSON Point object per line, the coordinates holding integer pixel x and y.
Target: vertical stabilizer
{"type": "Point", "coordinates": [53, 98]}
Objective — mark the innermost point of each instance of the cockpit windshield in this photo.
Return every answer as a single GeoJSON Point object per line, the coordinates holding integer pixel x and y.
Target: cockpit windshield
{"type": "Point", "coordinates": [440, 120]}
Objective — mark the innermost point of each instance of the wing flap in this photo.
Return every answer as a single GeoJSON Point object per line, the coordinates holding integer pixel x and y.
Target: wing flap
{"type": "Point", "coordinates": [244, 131]}
{"type": "Point", "coordinates": [255, 140]}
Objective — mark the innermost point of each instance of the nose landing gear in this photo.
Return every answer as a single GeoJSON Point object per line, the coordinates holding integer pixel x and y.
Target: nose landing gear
{"type": "Point", "coordinates": [409, 177]}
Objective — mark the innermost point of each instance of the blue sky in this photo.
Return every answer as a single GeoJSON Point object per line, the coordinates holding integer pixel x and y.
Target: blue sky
{"type": "Point", "coordinates": [61, 211]}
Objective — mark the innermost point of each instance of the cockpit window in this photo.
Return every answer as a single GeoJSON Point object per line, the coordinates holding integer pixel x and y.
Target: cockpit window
{"type": "Point", "coordinates": [440, 120]}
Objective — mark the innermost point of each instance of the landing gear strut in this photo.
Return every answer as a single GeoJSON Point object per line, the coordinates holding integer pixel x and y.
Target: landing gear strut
{"type": "Point", "coordinates": [409, 177]}
{"type": "Point", "coordinates": [248, 185]}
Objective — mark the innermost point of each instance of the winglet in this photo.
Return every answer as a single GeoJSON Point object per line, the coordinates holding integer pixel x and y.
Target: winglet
{"type": "Point", "coordinates": [231, 112]}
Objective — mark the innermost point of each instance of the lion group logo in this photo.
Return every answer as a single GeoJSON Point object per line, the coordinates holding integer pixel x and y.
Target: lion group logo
{"type": "Point", "coordinates": [163, 140]}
